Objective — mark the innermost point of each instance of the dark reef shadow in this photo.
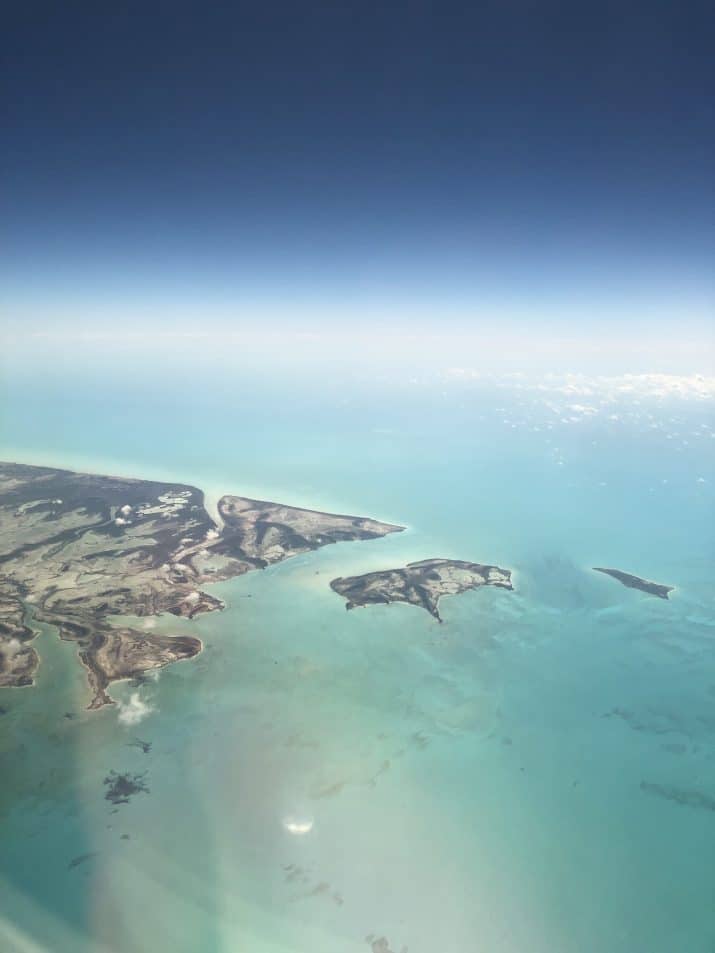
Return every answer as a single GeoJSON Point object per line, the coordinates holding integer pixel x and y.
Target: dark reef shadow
{"type": "Point", "coordinates": [556, 581]}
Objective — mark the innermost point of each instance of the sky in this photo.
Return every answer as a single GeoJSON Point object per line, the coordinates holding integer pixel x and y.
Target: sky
{"type": "Point", "coordinates": [454, 170]}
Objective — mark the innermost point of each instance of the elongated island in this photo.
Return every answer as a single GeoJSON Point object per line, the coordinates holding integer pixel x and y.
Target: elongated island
{"type": "Point", "coordinates": [637, 582]}
{"type": "Point", "coordinates": [76, 549]}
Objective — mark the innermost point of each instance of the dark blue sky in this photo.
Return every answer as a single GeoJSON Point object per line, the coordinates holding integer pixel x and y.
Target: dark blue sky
{"type": "Point", "coordinates": [517, 159]}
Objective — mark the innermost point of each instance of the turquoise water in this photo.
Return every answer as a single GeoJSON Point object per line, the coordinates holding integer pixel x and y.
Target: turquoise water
{"type": "Point", "coordinates": [319, 777]}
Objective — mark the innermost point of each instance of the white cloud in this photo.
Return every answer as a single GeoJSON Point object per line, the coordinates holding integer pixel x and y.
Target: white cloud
{"type": "Point", "coordinates": [134, 710]}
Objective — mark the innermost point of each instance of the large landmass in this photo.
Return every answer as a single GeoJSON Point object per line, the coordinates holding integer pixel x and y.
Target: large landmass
{"type": "Point", "coordinates": [420, 584]}
{"type": "Point", "coordinates": [77, 549]}
{"type": "Point", "coordinates": [635, 582]}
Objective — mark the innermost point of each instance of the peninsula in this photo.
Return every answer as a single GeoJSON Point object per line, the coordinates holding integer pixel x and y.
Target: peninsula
{"type": "Point", "coordinates": [77, 549]}
{"type": "Point", "coordinates": [635, 582]}
{"type": "Point", "coordinates": [420, 584]}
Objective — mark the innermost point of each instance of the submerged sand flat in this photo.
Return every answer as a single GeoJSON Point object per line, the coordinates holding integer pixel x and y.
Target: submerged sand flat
{"type": "Point", "coordinates": [528, 776]}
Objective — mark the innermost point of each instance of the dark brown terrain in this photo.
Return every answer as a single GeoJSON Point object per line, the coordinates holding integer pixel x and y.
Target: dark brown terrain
{"type": "Point", "coordinates": [635, 582]}
{"type": "Point", "coordinates": [420, 584]}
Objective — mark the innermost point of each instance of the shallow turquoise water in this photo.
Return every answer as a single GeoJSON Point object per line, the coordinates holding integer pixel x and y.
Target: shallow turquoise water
{"type": "Point", "coordinates": [474, 786]}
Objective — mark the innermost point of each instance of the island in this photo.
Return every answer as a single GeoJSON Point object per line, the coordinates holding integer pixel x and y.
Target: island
{"type": "Point", "coordinates": [635, 582]}
{"type": "Point", "coordinates": [79, 551]}
{"type": "Point", "coordinates": [420, 583]}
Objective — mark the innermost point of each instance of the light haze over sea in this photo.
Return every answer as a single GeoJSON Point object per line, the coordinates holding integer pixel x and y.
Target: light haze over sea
{"type": "Point", "coordinates": [536, 774]}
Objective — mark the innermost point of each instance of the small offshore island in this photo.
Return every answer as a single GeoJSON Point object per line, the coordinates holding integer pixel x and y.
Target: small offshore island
{"type": "Point", "coordinates": [76, 549]}
{"type": "Point", "coordinates": [636, 582]}
{"type": "Point", "coordinates": [420, 584]}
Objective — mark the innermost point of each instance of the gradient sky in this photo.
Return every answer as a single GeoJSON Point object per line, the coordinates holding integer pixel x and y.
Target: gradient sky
{"type": "Point", "coordinates": [548, 165]}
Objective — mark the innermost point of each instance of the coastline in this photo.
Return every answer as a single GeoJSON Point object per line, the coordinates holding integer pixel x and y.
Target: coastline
{"type": "Point", "coordinates": [212, 489]}
{"type": "Point", "coordinates": [97, 526]}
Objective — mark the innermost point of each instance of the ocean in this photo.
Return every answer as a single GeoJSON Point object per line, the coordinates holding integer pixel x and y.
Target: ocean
{"type": "Point", "coordinates": [535, 775]}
